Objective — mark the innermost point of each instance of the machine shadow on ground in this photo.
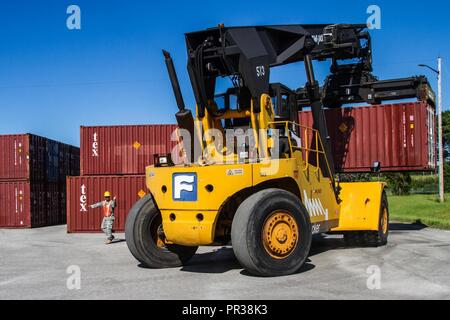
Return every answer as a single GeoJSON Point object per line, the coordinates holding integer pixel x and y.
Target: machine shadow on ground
{"type": "Point", "coordinates": [223, 259]}
{"type": "Point", "coordinates": [416, 226]}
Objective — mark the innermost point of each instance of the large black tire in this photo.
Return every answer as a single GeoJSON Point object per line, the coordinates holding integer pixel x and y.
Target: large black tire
{"type": "Point", "coordinates": [372, 238]}
{"type": "Point", "coordinates": [141, 234]}
{"type": "Point", "coordinates": [247, 233]}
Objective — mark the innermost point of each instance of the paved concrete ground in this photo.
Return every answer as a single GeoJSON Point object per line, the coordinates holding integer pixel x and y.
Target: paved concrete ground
{"type": "Point", "coordinates": [33, 264]}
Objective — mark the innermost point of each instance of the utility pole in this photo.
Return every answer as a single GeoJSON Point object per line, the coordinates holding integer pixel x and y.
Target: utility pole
{"type": "Point", "coordinates": [441, 152]}
{"type": "Point", "coordinates": [439, 115]}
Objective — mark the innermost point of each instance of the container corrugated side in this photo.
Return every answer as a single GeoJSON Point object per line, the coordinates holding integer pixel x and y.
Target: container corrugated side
{"type": "Point", "coordinates": [25, 204]}
{"type": "Point", "coordinates": [15, 204]}
{"type": "Point", "coordinates": [401, 136]}
{"type": "Point", "coordinates": [117, 150]}
{"type": "Point", "coordinates": [86, 190]}
{"type": "Point", "coordinates": [35, 158]}
{"type": "Point", "coordinates": [17, 150]}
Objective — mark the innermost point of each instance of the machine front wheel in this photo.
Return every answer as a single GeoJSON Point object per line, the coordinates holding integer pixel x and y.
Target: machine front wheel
{"type": "Point", "coordinates": [271, 233]}
{"type": "Point", "coordinates": [146, 241]}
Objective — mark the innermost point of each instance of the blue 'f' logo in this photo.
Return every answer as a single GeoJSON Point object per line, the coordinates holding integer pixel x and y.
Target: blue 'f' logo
{"type": "Point", "coordinates": [184, 187]}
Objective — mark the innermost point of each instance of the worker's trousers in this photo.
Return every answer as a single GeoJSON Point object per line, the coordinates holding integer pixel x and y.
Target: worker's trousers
{"type": "Point", "coordinates": [107, 226]}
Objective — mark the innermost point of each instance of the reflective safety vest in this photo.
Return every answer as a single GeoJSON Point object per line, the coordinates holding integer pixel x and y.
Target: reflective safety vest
{"type": "Point", "coordinates": [107, 209]}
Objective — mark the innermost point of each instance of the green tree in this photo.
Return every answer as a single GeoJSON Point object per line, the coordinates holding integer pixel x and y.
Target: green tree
{"type": "Point", "coordinates": [447, 177]}
{"type": "Point", "coordinates": [398, 183]}
{"type": "Point", "coordinates": [355, 177]}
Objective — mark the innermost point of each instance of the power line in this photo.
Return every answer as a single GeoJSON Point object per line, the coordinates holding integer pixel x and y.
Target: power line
{"type": "Point", "coordinates": [74, 84]}
{"type": "Point", "coordinates": [403, 62]}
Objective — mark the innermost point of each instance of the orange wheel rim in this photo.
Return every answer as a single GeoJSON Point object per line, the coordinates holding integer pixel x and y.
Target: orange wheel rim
{"type": "Point", "coordinates": [280, 234]}
{"type": "Point", "coordinates": [385, 223]}
{"type": "Point", "coordinates": [160, 242]}
{"type": "Point", "coordinates": [157, 233]}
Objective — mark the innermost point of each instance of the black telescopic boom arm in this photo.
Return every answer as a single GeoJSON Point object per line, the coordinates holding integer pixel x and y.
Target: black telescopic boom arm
{"type": "Point", "coordinates": [349, 88]}
{"type": "Point", "coordinates": [249, 52]}
{"type": "Point", "coordinates": [320, 123]}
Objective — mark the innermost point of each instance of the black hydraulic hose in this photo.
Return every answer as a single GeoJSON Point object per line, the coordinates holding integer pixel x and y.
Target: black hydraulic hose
{"type": "Point", "coordinates": [174, 80]}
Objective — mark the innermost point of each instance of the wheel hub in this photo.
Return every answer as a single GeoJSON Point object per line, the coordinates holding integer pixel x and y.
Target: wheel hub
{"type": "Point", "coordinates": [280, 234]}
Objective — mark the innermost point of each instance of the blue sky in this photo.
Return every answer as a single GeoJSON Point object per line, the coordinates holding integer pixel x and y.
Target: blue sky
{"type": "Point", "coordinates": [52, 80]}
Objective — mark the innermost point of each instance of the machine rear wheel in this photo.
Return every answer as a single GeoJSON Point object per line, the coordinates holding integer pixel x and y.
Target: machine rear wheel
{"type": "Point", "coordinates": [271, 233]}
{"type": "Point", "coordinates": [145, 238]}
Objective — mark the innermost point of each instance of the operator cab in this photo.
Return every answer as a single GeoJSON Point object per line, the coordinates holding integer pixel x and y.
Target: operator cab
{"type": "Point", "coordinates": [238, 99]}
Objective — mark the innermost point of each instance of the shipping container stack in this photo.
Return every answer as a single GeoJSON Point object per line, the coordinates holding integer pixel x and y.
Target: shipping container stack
{"type": "Point", "coordinates": [400, 137]}
{"type": "Point", "coordinates": [33, 172]}
{"type": "Point", "coordinates": [113, 158]}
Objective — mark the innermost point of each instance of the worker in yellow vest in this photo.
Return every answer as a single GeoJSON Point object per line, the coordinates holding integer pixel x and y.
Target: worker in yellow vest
{"type": "Point", "coordinates": [108, 207]}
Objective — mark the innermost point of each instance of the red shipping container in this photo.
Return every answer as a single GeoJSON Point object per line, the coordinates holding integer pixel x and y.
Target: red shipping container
{"type": "Point", "coordinates": [401, 136]}
{"type": "Point", "coordinates": [25, 204]}
{"type": "Point", "coordinates": [86, 190]}
{"type": "Point", "coordinates": [22, 157]}
{"type": "Point", "coordinates": [35, 158]}
{"type": "Point", "coordinates": [117, 150]}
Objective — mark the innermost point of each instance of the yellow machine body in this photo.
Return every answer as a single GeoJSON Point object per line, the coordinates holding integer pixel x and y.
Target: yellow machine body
{"type": "Point", "coordinates": [226, 181]}
{"type": "Point", "coordinates": [360, 206]}
{"type": "Point", "coordinates": [217, 183]}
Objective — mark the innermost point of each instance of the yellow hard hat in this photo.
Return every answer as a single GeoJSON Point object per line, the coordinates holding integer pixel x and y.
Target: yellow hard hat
{"type": "Point", "coordinates": [107, 194]}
